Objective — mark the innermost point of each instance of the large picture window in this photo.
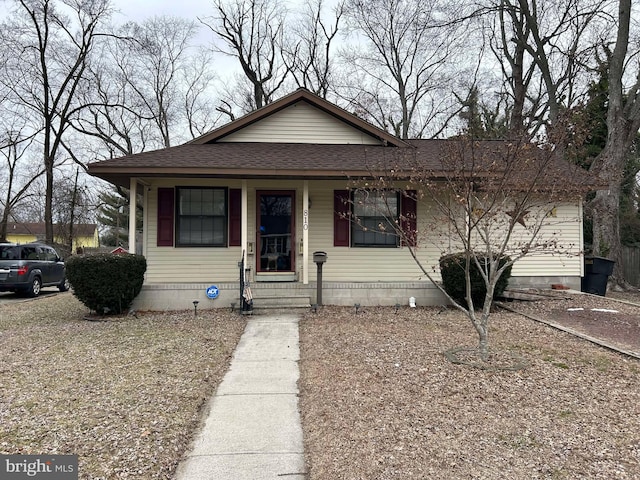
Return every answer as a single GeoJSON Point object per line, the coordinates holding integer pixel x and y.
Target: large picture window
{"type": "Point", "coordinates": [201, 216]}
{"type": "Point", "coordinates": [375, 216]}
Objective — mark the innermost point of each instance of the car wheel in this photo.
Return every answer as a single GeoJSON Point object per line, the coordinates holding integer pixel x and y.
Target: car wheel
{"type": "Point", "coordinates": [64, 285]}
{"type": "Point", "coordinates": [35, 287]}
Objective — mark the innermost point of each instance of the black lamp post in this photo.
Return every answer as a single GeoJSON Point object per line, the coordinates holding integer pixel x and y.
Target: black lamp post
{"type": "Point", "coordinates": [319, 259]}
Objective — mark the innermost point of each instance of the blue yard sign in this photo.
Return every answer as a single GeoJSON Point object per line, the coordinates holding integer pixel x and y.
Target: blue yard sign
{"type": "Point", "coordinates": [212, 292]}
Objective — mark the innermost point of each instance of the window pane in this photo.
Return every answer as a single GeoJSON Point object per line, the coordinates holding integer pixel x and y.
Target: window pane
{"type": "Point", "coordinates": [375, 214]}
{"type": "Point", "coordinates": [206, 202]}
{"type": "Point", "coordinates": [219, 206]}
{"type": "Point", "coordinates": [202, 216]}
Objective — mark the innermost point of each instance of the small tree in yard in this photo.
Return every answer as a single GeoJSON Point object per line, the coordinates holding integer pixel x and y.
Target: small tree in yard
{"type": "Point", "coordinates": [493, 202]}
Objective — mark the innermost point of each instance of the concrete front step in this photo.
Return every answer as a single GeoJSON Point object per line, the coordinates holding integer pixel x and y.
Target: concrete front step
{"type": "Point", "coordinates": [278, 302]}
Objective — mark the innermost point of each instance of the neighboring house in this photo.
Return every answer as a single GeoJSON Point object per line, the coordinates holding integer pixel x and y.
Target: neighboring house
{"type": "Point", "coordinates": [85, 234]}
{"type": "Point", "coordinates": [272, 184]}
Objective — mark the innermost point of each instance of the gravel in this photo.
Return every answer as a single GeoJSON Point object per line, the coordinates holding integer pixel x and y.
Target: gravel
{"type": "Point", "coordinates": [124, 394]}
{"type": "Point", "coordinates": [380, 401]}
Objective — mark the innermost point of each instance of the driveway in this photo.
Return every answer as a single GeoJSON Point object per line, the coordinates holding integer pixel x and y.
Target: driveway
{"type": "Point", "coordinates": [10, 297]}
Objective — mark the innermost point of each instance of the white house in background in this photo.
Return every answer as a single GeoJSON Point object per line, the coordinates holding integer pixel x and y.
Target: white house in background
{"type": "Point", "coordinates": [272, 184]}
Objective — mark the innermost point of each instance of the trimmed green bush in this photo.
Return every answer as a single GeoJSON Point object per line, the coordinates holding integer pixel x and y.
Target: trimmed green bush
{"type": "Point", "coordinates": [106, 283]}
{"type": "Point", "coordinates": [452, 268]}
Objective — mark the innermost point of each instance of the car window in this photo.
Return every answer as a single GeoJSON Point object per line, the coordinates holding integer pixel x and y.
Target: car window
{"type": "Point", "coordinates": [49, 254]}
{"type": "Point", "coordinates": [29, 253]}
{"type": "Point", "coordinates": [9, 252]}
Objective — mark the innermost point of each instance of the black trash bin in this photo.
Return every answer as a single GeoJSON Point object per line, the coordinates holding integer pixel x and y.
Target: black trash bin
{"type": "Point", "coordinates": [596, 275]}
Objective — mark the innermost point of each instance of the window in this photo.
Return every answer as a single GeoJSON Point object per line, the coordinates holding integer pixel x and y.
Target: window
{"type": "Point", "coordinates": [29, 253]}
{"type": "Point", "coordinates": [201, 216]}
{"type": "Point", "coordinates": [375, 216]}
{"type": "Point", "coordinates": [49, 254]}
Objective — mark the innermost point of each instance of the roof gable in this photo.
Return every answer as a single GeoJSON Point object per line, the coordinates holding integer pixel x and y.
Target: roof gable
{"type": "Point", "coordinates": [300, 117]}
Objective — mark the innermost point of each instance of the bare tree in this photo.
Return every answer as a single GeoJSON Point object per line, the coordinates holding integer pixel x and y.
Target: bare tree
{"type": "Point", "coordinates": [492, 202]}
{"type": "Point", "coordinates": [50, 43]}
{"type": "Point", "coordinates": [18, 177]}
{"type": "Point", "coordinates": [154, 63]}
{"type": "Point", "coordinates": [551, 50]}
{"type": "Point", "coordinates": [197, 79]}
{"type": "Point", "coordinates": [149, 89]}
{"type": "Point", "coordinates": [546, 51]}
{"type": "Point", "coordinates": [252, 32]}
{"type": "Point", "coordinates": [74, 205]}
{"type": "Point", "coordinates": [403, 64]}
{"type": "Point", "coordinates": [623, 123]}
{"type": "Point", "coordinates": [309, 50]}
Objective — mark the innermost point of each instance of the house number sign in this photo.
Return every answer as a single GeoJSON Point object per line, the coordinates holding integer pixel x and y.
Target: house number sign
{"type": "Point", "coordinates": [305, 220]}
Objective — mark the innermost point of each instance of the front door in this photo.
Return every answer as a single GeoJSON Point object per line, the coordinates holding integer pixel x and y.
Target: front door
{"type": "Point", "coordinates": [276, 231]}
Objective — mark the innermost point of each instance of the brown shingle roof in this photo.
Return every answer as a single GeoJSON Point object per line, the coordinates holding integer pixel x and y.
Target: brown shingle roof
{"type": "Point", "coordinates": [293, 160]}
{"type": "Point", "coordinates": [247, 160]}
{"type": "Point", "coordinates": [207, 156]}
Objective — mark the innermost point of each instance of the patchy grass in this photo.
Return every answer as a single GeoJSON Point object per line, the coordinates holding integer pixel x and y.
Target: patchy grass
{"type": "Point", "coordinates": [124, 394]}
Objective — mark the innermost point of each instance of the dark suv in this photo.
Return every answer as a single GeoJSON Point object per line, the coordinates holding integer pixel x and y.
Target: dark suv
{"type": "Point", "coordinates": [29, 267]}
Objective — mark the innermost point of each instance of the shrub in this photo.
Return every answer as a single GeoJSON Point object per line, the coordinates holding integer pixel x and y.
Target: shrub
{"type": "Point", "coordinates": [104, 282]}
{"type": "Point", "coordinates": [452, 268]}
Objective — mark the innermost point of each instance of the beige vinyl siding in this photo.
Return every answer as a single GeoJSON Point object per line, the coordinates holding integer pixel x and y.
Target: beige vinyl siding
{"type": "Point", "coordinates": [566, 228]}
{"type": "Point", "coordinates": [358, 264]}
{"type": "Point", "coordinates": [396, 264]}
{"type": "Point", "coordinates": [344, 264]}
{"type": "Point", "coordinates": [301, 123]}
{"type": "Point", "coordinates": [187, 264]}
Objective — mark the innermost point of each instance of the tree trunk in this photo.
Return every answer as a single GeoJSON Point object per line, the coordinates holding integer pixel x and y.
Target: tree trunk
{"type": "Point", "coordinates": [3, 224]}
{"type": "Point", "coordinates": [623, 121]}
{"type": "Point", "coordinates": [48, 200]}
{"type": "Point", "coordinates": [606, 230]}
{"type": "Point", "coordinates": [483, 337]}
{"type": "Point", "coordinates": [605, 207]}
{"type": "Point", "coordinates": [7, 208]}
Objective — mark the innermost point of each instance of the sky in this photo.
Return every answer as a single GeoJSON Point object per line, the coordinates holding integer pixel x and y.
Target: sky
{"type": "Point", "coordinates": [136, 10]}
{"type": "Point", "coordinates": [139, 10]}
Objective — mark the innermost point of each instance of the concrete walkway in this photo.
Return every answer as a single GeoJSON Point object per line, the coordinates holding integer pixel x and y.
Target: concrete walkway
{"type": "Point", "coordinates": [253, 429]}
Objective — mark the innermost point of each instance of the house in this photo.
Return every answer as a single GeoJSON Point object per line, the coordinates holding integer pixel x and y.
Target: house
{"type": "Point", "coordinates": [270, 188]}
{"type": "Point", "coordinates": [85, 235]}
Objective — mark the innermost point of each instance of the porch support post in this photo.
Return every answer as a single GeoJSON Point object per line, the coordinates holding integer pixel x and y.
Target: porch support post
{"type": "Point", "coordinates": [145, 217]}
{"type": "Point", "coordinates": [244, 219]}
{"type": "Point", "coordinates": [133, 192]}
{"type": "Point", "coordinates": [305, 233]}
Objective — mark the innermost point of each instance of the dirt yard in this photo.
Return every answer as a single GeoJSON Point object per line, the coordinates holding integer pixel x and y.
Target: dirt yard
{"type": "Point", "coordinates": [378, 398]}
{"type": "Point", "coordinates": [380, 401]}
{"type": "Point", "coordinates": [123, 394]}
